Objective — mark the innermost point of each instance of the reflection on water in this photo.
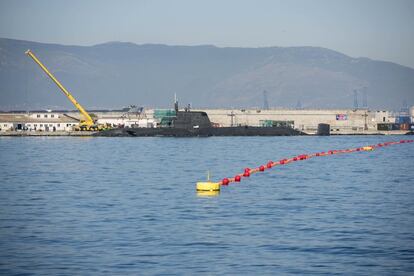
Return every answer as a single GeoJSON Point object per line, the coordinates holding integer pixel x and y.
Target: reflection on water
{"type": "Point", "coordinates": [208, 193]}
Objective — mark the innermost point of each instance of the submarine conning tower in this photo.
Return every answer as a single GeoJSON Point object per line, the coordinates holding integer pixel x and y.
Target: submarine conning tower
{"type": "Point", "coordinates": [191, 120]}
{"type": "Point", "coordinates": [188, 119]}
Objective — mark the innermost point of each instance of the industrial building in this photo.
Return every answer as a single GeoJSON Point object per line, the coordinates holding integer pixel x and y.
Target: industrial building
{"type": "Point", "coordinates": [127, 117]}
{"type": "Point", "coordinates": [46, 121]}
{"type": "Point", "coordinates": [341, 121]}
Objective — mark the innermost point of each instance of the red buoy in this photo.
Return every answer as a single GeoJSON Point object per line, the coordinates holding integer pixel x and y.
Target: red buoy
{"type": "Point", "coordinates": [318, 154]}
{"type": "Point", "coordinates": [281, 162]}
{"type": "Point", "coordinates": [295, 159]}
{"type": "Point", "coordinates": [269, 164]}
{"type": "Point", "coordinates": [225, 181]}
{"type": "Point", "coordinates": [247, 170]}
{"type": "Point", "coordinates": [246, 174]}
{"type": "Point", "coordinates": [261, 168]}
{"type": "Point", "coordinates": [237, 178]}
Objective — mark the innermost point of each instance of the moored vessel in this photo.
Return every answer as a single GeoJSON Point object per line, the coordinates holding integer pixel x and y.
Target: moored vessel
{"type": "Point", "coordinates": [189, 123]}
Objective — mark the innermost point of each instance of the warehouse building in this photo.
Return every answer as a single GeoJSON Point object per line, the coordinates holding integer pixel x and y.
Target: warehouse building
{"type": "Point", "coordinates": [342, 121]}
{"type": "Point", "coordinates": [36, 121]}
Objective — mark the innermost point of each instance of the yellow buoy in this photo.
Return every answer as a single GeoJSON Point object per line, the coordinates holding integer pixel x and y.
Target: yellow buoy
{"type": "Point", "coordinates": [208, 186]}
{"type": "Point", "coordinates": [368, 148]}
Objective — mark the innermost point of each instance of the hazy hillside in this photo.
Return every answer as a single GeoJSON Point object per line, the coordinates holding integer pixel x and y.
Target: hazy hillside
{"type": "Point", "coordinates": [114, 75]}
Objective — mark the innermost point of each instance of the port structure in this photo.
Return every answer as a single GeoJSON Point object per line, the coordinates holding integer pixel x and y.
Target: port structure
{"type": "Point", "coordinates": [265, 101]}
{"type": "Point", "coordinates": [355, 99]}
{"type": "Point", "coordinates": [87, 123]}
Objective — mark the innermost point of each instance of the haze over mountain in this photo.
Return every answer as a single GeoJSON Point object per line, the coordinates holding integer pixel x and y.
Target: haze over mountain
{"type": "Point", "coordinates": [115, 74]}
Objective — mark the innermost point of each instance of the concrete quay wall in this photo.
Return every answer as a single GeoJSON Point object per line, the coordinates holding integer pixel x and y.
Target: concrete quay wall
{"type": "Point", "coordinates": [47, 133]}
{"type": "Point", "coordinates": [342, 121]}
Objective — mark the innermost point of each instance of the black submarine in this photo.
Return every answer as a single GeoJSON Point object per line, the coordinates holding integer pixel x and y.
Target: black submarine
{"type": "Point", "coordinates": [189, 123]}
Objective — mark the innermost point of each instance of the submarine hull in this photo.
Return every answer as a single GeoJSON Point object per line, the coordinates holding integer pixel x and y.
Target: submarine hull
{"type": "Point", "coordinates": [197, 123]}
{"type": "Point", "coordinates": [201, 132]}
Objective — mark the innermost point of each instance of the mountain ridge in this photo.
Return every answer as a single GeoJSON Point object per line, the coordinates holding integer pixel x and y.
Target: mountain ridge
{"type": "Point", "coordinates": [116, 74]}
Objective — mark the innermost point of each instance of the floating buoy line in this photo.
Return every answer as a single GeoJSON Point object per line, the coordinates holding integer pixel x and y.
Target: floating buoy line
{"type": "Point", "coordinates": [210, 188]}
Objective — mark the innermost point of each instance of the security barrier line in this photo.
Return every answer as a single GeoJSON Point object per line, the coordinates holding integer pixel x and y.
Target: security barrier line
{"type": "Point", "coordinates": [247, 171]}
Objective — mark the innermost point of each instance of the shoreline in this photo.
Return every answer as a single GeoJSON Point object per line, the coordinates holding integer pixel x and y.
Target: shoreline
{"type": "Point", "coordinates": [46, 133]}
{"type": "Point", "coordinates": [91, 133]}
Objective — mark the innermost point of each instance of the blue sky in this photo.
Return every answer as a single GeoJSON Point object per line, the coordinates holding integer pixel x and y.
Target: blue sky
{"type": "Point", "coordinates": [378, 29]}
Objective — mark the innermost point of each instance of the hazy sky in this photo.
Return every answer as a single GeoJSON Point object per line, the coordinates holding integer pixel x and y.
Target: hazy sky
{"type": "Point", "coordinates": [378, 29]}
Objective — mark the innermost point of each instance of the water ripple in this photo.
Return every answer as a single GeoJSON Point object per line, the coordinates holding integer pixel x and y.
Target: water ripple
{"type": "Point", "coordinates": [132, 208]}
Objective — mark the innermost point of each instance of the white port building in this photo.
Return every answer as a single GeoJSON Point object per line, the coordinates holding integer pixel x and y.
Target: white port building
{"type": "Point", "coordinates": [36, 121]}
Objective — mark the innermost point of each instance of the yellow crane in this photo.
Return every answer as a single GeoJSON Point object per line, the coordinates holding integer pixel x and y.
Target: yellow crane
{"type": "Point", "coordinates": [87, 123]}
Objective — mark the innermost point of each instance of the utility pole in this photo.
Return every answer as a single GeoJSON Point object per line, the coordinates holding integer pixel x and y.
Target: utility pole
{"type": "Point", "coordinates": [232, 115]}
{"type": "Point", "coordinates": [355, 99]}
{"type": "Point", "coordinates": [265, 101]}
{"type": "Point", "coordinates": [365, 120]}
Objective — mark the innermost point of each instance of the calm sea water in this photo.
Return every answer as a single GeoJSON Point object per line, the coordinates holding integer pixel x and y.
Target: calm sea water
{"type": "Point", "coordinates": [128, 206]}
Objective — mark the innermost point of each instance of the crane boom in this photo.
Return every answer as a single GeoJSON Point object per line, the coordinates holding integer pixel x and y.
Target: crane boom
{"type": "Point", "coordinates": [88, 119]}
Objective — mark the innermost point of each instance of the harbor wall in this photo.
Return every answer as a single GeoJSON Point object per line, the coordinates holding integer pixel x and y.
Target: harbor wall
{"type": "Point", "coordinates": [341, 121]}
